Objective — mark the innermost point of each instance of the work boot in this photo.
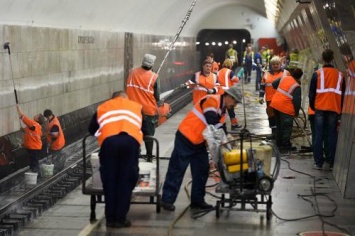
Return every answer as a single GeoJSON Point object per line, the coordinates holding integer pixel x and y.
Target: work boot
{"type": "Point", "coordinates": [118, 224]}
{"type": "Point", "coordinates": [167, 206]}
{"type": "Point", "coordinates": [202, 206]}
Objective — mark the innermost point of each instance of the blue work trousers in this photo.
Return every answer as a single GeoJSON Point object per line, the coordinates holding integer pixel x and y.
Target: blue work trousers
{"type": "Point", "coordinates": [119, 174]}
{"type": "Point", "coordinates": [325, 123]}
{"type": "Point", "coordinates": [258, 78]}
{"type": "Point", "coordinates": [186, 153]}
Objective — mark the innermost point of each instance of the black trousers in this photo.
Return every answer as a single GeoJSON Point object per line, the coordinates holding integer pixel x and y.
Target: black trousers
{"type": "Point", "coordinates": [119, 174]}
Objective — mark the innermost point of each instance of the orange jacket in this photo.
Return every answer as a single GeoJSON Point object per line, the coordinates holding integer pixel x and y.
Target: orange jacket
{"type": "Point", "coordinates": [195, 122]}
{"type": "Point", "coordinates": [329, 85]}
{"type": "Point", "coordinates": [282, 99]}
{"type": "Point", "coordinates": [60, 141]}
{"type": "Point", "coordinates": [267, 79]}
{"type": "Point", "coordinates": [32, 138]}
{"type": "Point", "coordinates": [202, 83]}
{"type": "Point", "coordinates": [140, 88]}
{"type": "Point", "coordinates": [225, 80]}
{"type": "Point", "coordinates": [119, 115]}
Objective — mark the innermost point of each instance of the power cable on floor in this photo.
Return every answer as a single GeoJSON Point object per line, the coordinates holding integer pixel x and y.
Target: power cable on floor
{"type": "Point", "coordinates": [171, 226]}
{"type": "Point", "coordinates": [315, 206]}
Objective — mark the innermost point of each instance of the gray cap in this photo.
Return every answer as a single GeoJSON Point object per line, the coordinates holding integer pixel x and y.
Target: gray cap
{"type": "Point", "coordinates": [148, 60]}
{"type": "Point", "coordinates": [235, 93]}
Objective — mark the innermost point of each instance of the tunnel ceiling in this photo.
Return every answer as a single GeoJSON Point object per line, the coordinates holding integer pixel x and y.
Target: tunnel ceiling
{"type": "Point", "coordinates": [143, 16]}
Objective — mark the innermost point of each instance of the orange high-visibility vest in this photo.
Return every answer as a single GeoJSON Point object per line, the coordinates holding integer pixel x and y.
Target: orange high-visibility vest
{"type": "Point", "coordinates": [349, 94]}
{"type": "Point", "coordinates": [329, 84]}
{"type": "Point", "coordinates": [140, 88]}
{"type": "Point", "coordinates": [195, 122]}
{"type": "Point", "coordinates": [215, 67]}
{"type": "Point", "coordinates": [202, 83]}
{"type": "Point", "coordinates": [224, 79]}
{"type": "Point", "coordinates": [267, 79]}
{"type": "Point", "coordinates": [32, 138]}
{"type": "Point", "coordinates": [60, 141]}
{"type": "Point", "coordinates": [310, 111]}
{"type": "Point", "coordinates": [282, 99]}
{"type": "Point", "coordinates": [119, 115]}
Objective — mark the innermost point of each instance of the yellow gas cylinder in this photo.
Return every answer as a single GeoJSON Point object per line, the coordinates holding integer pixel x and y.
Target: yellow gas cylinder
{"type": "Point", "coordinates": [233, 157]}
{"type": "Point", "coordinates": [236, 168]}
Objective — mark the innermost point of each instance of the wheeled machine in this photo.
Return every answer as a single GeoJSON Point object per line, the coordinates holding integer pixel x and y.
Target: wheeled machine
{"type": "Point", "coordinates": [248, 167]}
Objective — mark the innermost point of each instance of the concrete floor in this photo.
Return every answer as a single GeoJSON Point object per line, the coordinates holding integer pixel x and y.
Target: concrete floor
{"type": "Point", "coordinates": [303, 199]}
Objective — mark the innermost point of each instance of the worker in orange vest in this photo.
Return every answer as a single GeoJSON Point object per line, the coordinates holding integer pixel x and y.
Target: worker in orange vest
{"type": "Point", "coordinates": [325, 98]}
{"type": "Point", "coordinates": [349, 94]}
{"type": "Point", "coordinates": [203, 82]}
{"type": "Point", "coordinates": [55, 140]}
{"type": "Point", "coordinates": [32, 138]}
{"type": "Point", "coordinates": [266, 89]}
{"type": "Point", "coordinates": [190, 148]}
{"type": "Point", "coordinates": [215, 66]}
{"type": "Point", "coordinates": [118, 126]}
{"type": "Point", "coordinates": [286, 103]}
{"type": "Point", "coordinates": [227, 79]}
{"type": "Point", "coordinates": [142, 87]}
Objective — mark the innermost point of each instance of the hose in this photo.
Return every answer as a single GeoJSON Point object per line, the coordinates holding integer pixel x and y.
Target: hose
{"type": "Point", "coordinates": [186, 18]}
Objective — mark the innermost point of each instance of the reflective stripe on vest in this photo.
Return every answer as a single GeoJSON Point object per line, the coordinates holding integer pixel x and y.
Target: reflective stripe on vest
{"type": "Point", "coordinates": [145, 89]}
{"type": "Point", "coordinates": [289, 92]}
{"type": "Point", "coordinates": [202, 86]}
{"type": "Point", "coordinates": [322, 89]}
{"type": "Point", "coordinates": [328, 96]}
{"type": "Point", "coordinates": [268, 79]}
{"type": "Point", "coordinates": [193, 125]}
{"type": "Point", "coordinates": [118, 115]}
{"type": "Point", "coordinates": [223, 78]}
{"type": "Point", "coordinates": [282, 99]}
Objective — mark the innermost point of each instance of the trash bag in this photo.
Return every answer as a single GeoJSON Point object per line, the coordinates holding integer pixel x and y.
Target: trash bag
{"type": "Point", "coordinates": [214, 138]}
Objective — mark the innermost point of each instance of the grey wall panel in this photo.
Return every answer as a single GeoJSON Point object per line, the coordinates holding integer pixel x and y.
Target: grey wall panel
{"type": "Point", "coordinates": [48, 64]}
{"type": "Point", "coordinates": [71, 71]}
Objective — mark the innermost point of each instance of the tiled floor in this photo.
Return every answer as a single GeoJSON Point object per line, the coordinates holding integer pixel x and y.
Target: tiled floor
{"type": "Point", "coordinates": [303, 199]}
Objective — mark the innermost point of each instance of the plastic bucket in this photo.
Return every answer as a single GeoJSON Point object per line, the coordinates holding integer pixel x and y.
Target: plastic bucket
{"type": "Point", "coordinates": [47, 170]}
{"type": "Point", "coordinates": [145, 169]}
{"type": "Point", "coordinates": [31, 178]}
{"type": "Point", "coordinates": [95, 164]}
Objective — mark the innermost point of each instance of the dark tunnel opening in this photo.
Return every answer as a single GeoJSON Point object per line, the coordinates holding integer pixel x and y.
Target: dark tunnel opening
{"type": "Point", "coordinates": [217, 42]}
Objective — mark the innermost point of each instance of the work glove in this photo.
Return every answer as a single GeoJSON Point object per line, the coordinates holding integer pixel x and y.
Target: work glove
{"type": "Point", "coordinates": [182, 86]}
{"type": "Point", "coordinates": [210, 91]}
{"type": "Point", "coordinates": [261, 101]}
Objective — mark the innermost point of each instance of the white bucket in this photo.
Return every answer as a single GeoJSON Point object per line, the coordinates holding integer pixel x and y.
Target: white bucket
{"type": "Point", "coordinates": [145, 169]}
{"type": "Point", "coordinates": [153, 176]}
{"type": "Point", "coordinates": [95, 164]}
{"type": "Point", "coordinates": [47, 170]}
{"type": "Point", "coordinates": [31, 178]}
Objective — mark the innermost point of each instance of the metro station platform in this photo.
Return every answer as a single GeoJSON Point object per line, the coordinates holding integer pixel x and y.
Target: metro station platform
{"type": "Point", "coordinates": [303, 198]}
